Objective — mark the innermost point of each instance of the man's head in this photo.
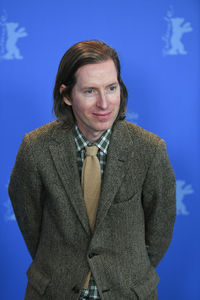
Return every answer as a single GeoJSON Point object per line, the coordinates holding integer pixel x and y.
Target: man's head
{"type": "Point", "coordinates": [99, 60]}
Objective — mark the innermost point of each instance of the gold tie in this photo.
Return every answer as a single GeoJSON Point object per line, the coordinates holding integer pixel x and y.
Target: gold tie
{"type": "Point", "coordinates": [91, 185]}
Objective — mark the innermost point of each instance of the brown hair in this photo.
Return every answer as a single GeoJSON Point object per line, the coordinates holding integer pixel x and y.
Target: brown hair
{"type": "Point", "coordinates": [80, 54]}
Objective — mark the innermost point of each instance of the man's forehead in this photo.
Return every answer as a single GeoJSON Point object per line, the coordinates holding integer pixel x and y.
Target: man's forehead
{"type": "Point", "coordinates": [103, 72]}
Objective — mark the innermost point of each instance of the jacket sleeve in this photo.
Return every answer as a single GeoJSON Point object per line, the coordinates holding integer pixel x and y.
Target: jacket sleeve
{"type": "Point", "coordinates": [159, 204]}
{"type": "Point", "coordinates": [25, 191]}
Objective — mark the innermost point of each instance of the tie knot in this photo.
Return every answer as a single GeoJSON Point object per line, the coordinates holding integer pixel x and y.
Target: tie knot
{"type": "Point", "coordinates": [91, 151]}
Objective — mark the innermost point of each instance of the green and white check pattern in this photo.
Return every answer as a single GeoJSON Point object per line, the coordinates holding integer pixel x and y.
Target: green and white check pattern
{"type": "Point", "coordinates": [92, 292]}
{"type": "Point", "coordinates": [102, 144]}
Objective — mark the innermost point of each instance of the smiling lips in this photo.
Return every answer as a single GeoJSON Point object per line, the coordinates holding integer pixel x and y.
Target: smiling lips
{"type": "Point", "coordinates": [101, 116]}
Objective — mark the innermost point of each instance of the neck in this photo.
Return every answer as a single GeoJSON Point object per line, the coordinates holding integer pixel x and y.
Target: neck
{"type": "Point", "coordinates": [93, 137]}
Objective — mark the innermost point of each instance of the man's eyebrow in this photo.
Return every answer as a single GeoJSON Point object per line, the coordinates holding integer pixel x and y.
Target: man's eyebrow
{"type": "Point", "coordinates": [114, 83]}
{"type": "Point", "coordinates": [93, 86]}
{"type": "Point", "coordinates": [87, 88]}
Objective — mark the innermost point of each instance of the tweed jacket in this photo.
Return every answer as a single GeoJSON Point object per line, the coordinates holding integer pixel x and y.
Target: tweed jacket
{"type": "Point", "coordinates": [134, 222]}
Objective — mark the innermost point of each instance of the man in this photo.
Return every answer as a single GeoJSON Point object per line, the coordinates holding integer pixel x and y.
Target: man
{"type": "Point", "coordinates": [106, 247]}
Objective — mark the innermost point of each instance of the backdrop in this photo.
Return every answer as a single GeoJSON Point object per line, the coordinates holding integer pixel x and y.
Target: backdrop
{"type": "Point", "coordinates": [158, 43]}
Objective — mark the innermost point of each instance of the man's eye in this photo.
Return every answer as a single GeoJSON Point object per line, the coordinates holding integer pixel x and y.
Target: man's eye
{"type": "Point", "coordinates": [112, 88]}
{"type": "Point", "coordinates": [89, 91]}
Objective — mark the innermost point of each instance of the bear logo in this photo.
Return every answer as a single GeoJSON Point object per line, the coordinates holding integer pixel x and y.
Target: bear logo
{"type": "Point", "coordinates": [181, 191]}
{"type": "Point", "coordinates": [10, 34]}
{"type": "Point", "coordinates": [132, 116]}
{"type": "Point", "coordinates": [178, 30]}
{"type": "Point", "coordinates": [8, 213]}
{"type": "Point", "coordinates": [173, 37]}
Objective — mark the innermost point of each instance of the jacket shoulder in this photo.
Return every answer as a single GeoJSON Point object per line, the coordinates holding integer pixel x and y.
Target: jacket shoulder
{"type": "Point", "coordinates": [142, 136]}
{"type": "Point", "coordinates": [48, 132]}
{"type": "Point", "coordinates": [147, 145]}
{"type": "Point", "coordinates": [43, 131]}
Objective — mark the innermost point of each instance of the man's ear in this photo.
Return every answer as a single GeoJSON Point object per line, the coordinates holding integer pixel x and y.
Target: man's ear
{"type": "Point", "coordinates": [66, 99]}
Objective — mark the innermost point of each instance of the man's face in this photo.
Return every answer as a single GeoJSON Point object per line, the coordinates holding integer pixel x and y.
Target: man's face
{"type": "Point", "coordinates": [95, 98]}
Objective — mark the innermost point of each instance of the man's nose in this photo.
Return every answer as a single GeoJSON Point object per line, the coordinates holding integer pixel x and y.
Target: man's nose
{"type": "Point", "coordinates": [102, 101]}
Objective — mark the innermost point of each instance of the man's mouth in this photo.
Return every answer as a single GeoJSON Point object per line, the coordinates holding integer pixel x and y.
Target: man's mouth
{"type": "Point", "coordinates": [102, 116]}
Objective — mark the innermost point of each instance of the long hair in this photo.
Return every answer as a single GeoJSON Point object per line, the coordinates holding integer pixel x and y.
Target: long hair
{"type": "Point", "coordinates": [80, 54]}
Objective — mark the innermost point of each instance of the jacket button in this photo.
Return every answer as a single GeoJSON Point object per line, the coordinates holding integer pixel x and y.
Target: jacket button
{"type": "Point", "coordinates": [105, 291]}
{"type": "Point", "coordinates": [75, 289]}
{"type": "Point", "coordinates": [92, 254]}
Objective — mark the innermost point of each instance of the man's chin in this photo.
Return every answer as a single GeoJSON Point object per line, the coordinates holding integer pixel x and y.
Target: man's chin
{"type": "Point", "coordinates": [103, 128]}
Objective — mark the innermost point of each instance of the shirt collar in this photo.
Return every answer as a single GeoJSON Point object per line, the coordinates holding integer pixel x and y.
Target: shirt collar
{"type": "Point", "coordinates": [82, 142]}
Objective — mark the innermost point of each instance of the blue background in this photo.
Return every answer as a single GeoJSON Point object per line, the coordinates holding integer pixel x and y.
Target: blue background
{"type": "Point", "coordinates": [164, 95]}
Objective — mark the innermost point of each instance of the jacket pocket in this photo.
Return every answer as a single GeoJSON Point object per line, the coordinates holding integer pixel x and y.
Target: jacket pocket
{"type": "Point", "coordinates": [147, 285]}
{"type": "Point", "coordinates": [38, 280]}
{"type": "Point", "coordinates": [120, 199]}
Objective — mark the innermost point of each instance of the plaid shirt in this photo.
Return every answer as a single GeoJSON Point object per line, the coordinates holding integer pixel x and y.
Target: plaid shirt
{"type": "Point", "coordinates": [102, 144]}
{"type": "Point", "coordinates": [82, 142]}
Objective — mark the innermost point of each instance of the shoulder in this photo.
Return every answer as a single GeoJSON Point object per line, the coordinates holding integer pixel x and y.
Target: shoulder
{"type": "Point", "coordinates": [139, 136]}
{"type": "Point", "coordinates": [133, 139]}
{"type": "Point", "coordinates": [148, 146]}
{"type": "Point", "coordinates": [36, 138]}
{"type": "Point", "coordinates": [47, 133]}
{"type": "Point", "coordinates": [35, 144]}
{"type": "Point", "coordinates": [44, 131]}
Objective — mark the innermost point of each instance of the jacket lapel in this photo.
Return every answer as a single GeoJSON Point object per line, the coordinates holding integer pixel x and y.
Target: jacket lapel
{"type": "Point", "coordinates": [63, 151]}
{"type": "Point", "coordinates": [119, 153]}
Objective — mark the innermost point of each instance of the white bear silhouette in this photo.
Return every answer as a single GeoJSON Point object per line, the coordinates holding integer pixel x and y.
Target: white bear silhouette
{"type": "Point", "coordinates": [12, 36]}
{"type": "Point", "coordinates": [181, 191]}
{"type": "Point", "coordinates": [9, 215]}
{"type": "Point", "coordinates": [177, 46]}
